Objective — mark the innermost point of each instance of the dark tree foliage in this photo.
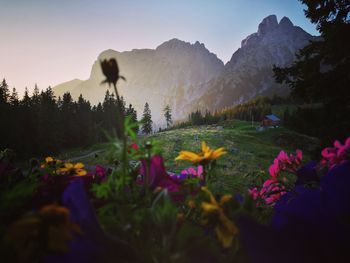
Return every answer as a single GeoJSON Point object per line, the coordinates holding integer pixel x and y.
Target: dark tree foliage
{"type": "Point", "coordinates": [321, 72]}
{"type": "Point", "coordinates": [131, 112]}
{"type": "Point", "coordinates": [168, 116]}
{"type": "Point", "coordinates": [40, 124]}
{"type": "Point", "coordinates": [146, 120]}
{"type": "Point", "coordinates": [253, 110]}
{"type": "Point", "coordinates": [197, 118]}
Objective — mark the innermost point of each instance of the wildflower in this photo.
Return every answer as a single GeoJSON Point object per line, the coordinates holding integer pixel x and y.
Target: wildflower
{"type": "Point", "coordinates": [157, 176]}
{"type": "Point", "coordinates": [285, 162]}
{"type": "Point", "coordinates": [100, 171]}
{"type": "Point", "coordinates": [188, 173]}
{"type": "Point", "coordinates": [203, 157]}
{"type": "Point", "coordinates": [333, 156]}
{"type": "Point", "coordinates": [50, 162]}
{"type": "Point", "coordinates": [193, 171]}
{"type": "Point", "coordinates": [254, 192]}
{"type": "Point", "coordinates": [270, 192]}
{"type": "Point", "coordinates": [72, 169]}
{"type": "Point", "coordinates": [225, 229]}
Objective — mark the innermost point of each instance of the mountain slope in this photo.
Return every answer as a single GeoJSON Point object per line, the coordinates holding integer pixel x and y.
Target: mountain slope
{"type": "Point", "coordinates": [249, 72]}
{"type": "Point", "coordinates": [170, 74]}
{"type": "Point", "coordinates": [188, 77]}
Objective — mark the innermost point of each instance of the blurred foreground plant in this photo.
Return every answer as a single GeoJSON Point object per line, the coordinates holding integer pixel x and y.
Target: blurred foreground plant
{"type": "Point", "coordinates": [43, 232]}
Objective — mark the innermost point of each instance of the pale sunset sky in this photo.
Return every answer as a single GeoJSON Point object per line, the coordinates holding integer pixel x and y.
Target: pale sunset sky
{"type": "Point", "coordinates": [52, 41]}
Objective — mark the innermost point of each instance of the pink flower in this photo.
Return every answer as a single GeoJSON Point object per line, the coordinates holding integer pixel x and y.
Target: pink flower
{"type": "Point", "coordinates": [193, 171]}
{"type": "Point", "coordinates": [270, 192]}
{"type": "Point", "coordinates": [274, 170]}
{"type": "Point", "coordinates": [254, 193]}
{"type": "Point", "coordinates": [100, 171]}
{"type": "Point", "coordinates": [333, 156]}
{"type": "Point", "coordinates": [134, 146]}
{"type": "Point", "coordinates": [285, 162]}
{"type": "Point", "coordinates": [344, 149]}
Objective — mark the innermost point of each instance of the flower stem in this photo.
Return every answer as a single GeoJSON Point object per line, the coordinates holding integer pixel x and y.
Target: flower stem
{"type": "Point", "coordinates": [122, 136]}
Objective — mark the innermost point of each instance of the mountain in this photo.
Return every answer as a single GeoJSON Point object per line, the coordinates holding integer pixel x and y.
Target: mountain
{"type": "Point", "coordinates": [189, 77]}
{"type": "Point", "coordinates": [249, 72]}
{"type": "Point", "coordinates": [67, 86]}
{"type": "Point", "coordinates": [173, 74]}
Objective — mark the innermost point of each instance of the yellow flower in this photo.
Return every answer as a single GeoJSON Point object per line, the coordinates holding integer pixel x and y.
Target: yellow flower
{"type": "Point", "coordinates": [225, 229]}
{"type": "Point", "coordinates": [49, 159]}
{"type": "Point", "coordinates": [75, 169]}
{"type": "Point", "coordinates": [50, 162]}
{"type": "Point", "coordinates": [205, 155]}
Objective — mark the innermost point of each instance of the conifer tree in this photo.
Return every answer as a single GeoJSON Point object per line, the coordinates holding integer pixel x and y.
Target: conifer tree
{"type": "Point", "coordinates": [14, 101]}
{"type": "Point", "coordinates": [4, 92]}
{"type": "Point", "coordinates": [130, 111]}
{"type": "Point", "coordinates": [168, 116]}
{"type": "Point", "coordinates": [146, 120]}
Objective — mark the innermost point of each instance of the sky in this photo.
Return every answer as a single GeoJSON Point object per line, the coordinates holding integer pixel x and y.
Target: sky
{"type": "Point", "coordinates": [52, 41]}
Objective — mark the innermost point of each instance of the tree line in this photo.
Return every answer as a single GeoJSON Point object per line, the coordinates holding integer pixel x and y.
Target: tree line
{"type": "Point", "coordinates": [253, 110]}
{"type": "Point", "coordinates": [41, 124]}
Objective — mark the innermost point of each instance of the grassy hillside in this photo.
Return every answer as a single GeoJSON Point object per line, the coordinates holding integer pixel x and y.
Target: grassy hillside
{"type": "Point", "coordinates": [249, 153]}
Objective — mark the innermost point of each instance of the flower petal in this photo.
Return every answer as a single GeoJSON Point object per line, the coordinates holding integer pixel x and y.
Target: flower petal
{"type": "Point", "coordinates": [209, 208]}
{"type": "Point", "coordinates": [80, 172]}
{"type": "Point", "coordinates": [48, 159]}
{"type": "Point", "coordinates": [205, 147]}
{"type": "Point", "coordinates": [224, 199]}
{"type": "Point", "coordinates": [78, 166]}
{"type": "Point", "coordinates": [68, 165]}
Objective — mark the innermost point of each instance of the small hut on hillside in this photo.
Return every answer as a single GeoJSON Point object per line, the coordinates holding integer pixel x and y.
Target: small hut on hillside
{"type": "Point", "coordinates": [270, 121]}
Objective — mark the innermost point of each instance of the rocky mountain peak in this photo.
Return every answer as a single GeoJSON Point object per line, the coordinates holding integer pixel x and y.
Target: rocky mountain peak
{"type": "Point", "coordinates": [249, 72]}
{"type": "Point", "coordinates": [268, 24]}
{"type": "Point", "coordinates": [285, 23]}
{"type": "Point", "coordinates": [172, 44]}
{"type": "Point", "coordinates": [272, 32]}
{"type": "Point", "coordinates": [199, 45]}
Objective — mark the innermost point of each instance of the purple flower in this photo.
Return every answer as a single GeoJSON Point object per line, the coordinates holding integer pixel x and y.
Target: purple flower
{"type": "Point", "coordinates": [92, 245]}
{"type": "Point", "coordinates": [158, 176]}
{"type": "Point", "coordinates": [308, 224]}
{"type": "Point", "coordinates": [307, 174]}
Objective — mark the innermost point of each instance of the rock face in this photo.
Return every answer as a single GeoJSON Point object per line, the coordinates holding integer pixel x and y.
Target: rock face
{"type": "Point", "coordinates": [249, 72]}
{"type": "Point", "coordinates": [188, 77]}
{"type": "Point", "coordinates": [171, 74]}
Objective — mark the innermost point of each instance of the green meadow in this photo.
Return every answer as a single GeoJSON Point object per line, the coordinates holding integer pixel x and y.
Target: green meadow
{"type": "Point", "coordinates": [249, 152]}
